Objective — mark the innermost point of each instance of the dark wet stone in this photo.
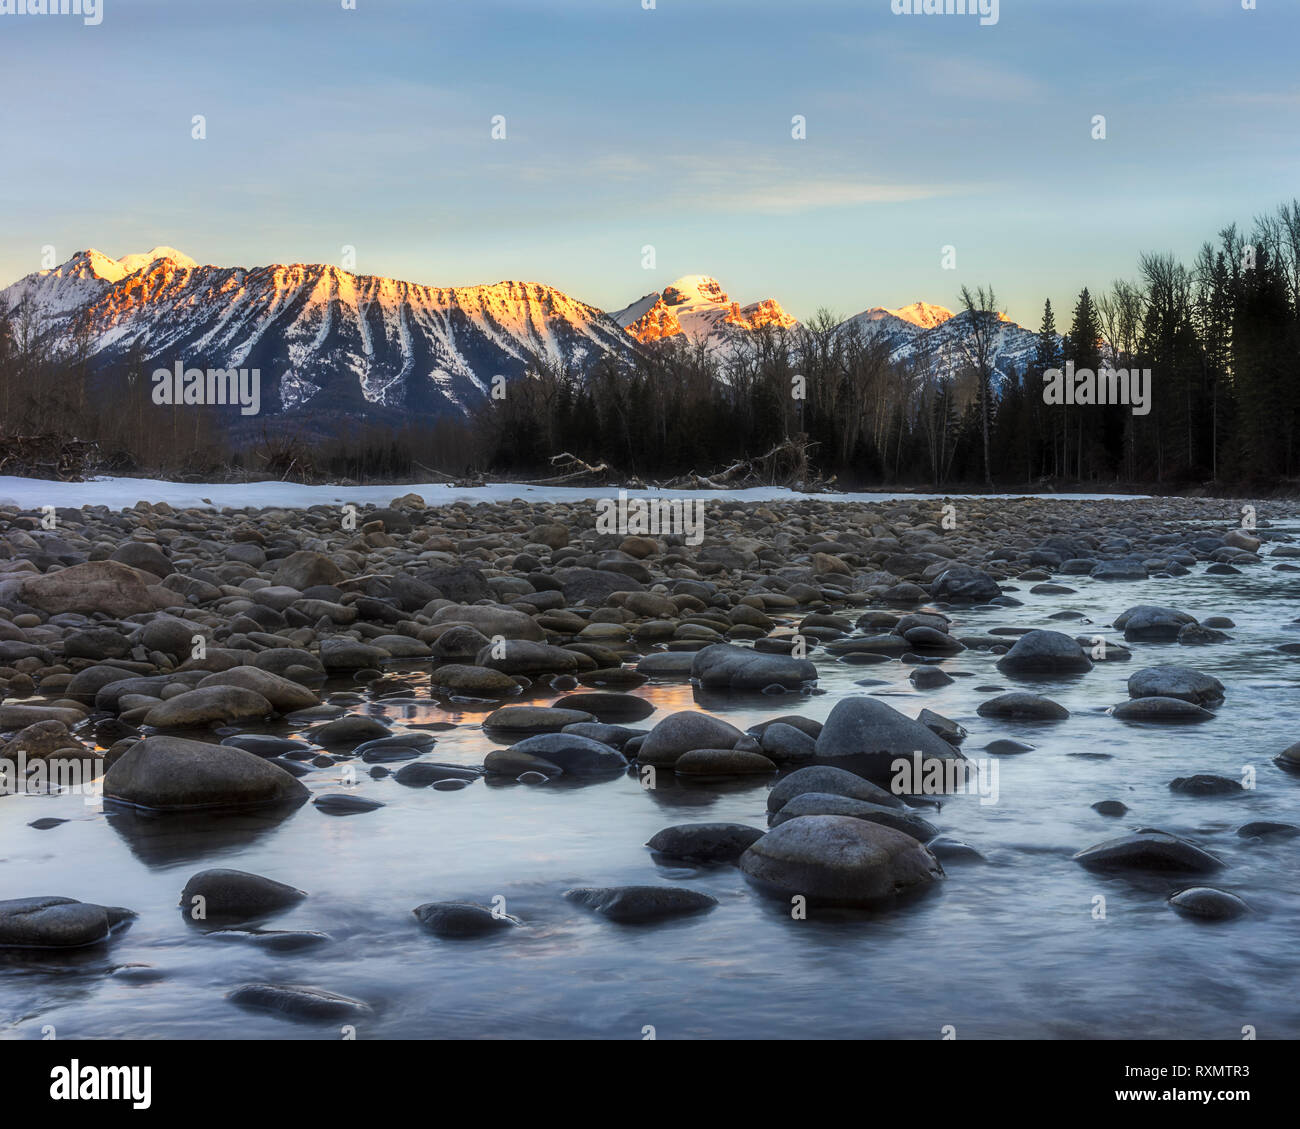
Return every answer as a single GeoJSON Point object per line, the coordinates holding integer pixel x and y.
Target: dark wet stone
{"type": "Point", "coordinates": [1045, 653]}
{"type": "Point", "coordinates": [1175, 682]}
{"type": "Point", "coordinates": [236, 893]}
{"type": "Point", "coordinates": [681, 732]}
{"type": "Point", "coordinates": [785, 744]}
{"type": "Point", "coordinates": [1150, 623]}
{"type": "Point", "coordinates": [946, 849]}
{"type": "Point", "coordinates": [712, 763]}
{"type": "Point", "coordinates": [1161, 709]}
{"type": "Point", "coordinates": [1024, 706]}
{"type": "Point", "coordinates": [534, 719]}
{"type": "Point", "coordinates": [608, 708]}
{"type": "Point", "coordinates": [1148, 850]}
{"type": "Point", "coordinates": [962, 584]}
{"type": "Point", "coordinates": [704, 842]}
{"type": "Point", "coordinates": [839, 860]}
{"type": "Point", "coordinates": [1198, 635]}
{"type": "Point", "coordinates": [1263, 829]}
{"type": "Point", "coordinates": [46, 823]}
{"type": "Point", "coordinates": [340, 803]}
{"type": "Point", "coordinates": [1205, 784]}
{"type": "Point", "coordinates": [641, 904]}
{"type": "Point", "coordinates": [828, 779]}
{"type": "Point", "coordinates": [866, 736]}
{"type": "Point", "coordinates": [1007, 747]}
{"type": "Point", "coordinates": [1208, 904]}
{"type": "Point", "coordinates": [264, 745]}
{"type": "Point", "coordinates": [421, 774]}
{"type": "Point", "coordinates": [57, 923]}
{"type": "Point", "coordinates": [300, 1002]}
{"type": "Point", "coordinates": [556, 753]}
{"type": "Point", "coordinates": [348, 732]}
{"type": "Point", "coordinates": [462, 919]}
{"type": "Point", "coordinates": [724, 666]}
{"type": "Point", "coordinates": [929, 677]}
{"type": "Point", "coordinates": [1109, 807]}
{"type": "Point", "coordinates": [824, 803]}
{"type": "Point", "coordinates": [1289, 758]}
{"type": "Point", "coordinates": [167, 773]}
{"type": "Point", "coordinates": [390, 754]}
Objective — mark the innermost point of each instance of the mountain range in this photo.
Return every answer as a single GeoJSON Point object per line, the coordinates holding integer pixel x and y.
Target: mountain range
{"type": "Point", "coordinates": [330, 342]}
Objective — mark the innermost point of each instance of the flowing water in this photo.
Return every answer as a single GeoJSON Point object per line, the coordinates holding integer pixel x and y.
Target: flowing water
{"type": "Point", "coordinates": [1013, 946]}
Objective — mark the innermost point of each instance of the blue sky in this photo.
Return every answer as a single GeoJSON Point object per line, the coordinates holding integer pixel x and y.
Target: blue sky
{"type": "Point", "coordinates": [670, 127]}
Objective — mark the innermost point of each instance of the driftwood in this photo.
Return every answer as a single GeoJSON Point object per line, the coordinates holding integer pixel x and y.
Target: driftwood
{"type": "Point", "coordinates": [48, 456]}
{"type": "Point", "coordinates": [786, 464]}
{"type": "Point", "coordinates": [573, 469]}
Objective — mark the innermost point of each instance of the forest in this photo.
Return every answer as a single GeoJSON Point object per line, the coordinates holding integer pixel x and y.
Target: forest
{"type": "Point", "coordinates": [1220, 335]}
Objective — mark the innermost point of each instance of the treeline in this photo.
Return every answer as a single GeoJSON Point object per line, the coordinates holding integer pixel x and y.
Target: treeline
{"type": "Point", "coordinates": [1221, 337]}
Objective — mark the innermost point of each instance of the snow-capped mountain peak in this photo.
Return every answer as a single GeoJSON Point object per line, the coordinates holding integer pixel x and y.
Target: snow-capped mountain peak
{"type": "Point", "coordinates": [696, 307]}
{"type": "Point", "coordinates": [351, 344]}
{"type": "Point", "coordinates": [922, 314]}
{"type": "Point", "coordinates": [133, 263]}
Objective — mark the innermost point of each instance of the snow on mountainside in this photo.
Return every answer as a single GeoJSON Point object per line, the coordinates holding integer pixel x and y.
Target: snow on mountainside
{"type": "Point", "coordinates": [921, 314]}
{"type": "Point", "coordinates": [313, 330]}
{"type": "Point", "coordinates": [697, 307]}
{"type": "Point", "coordinates": [343, 344]}
{"type": "Point", "coordinates": [923, 331]}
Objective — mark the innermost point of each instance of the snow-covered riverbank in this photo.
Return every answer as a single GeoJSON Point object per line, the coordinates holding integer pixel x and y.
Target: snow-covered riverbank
{"type": "Point", "coordinates": [121, 493]}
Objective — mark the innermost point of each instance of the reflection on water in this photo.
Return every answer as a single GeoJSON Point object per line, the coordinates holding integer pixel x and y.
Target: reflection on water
{"type": "Point", "coordinates": [1011, 946]}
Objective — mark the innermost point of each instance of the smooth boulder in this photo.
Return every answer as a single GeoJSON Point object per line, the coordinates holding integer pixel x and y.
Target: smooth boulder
{"type": "Point", "coordinates": [839, 860]}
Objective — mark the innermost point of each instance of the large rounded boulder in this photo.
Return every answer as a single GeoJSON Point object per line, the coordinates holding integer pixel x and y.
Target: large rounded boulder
{"type": "Point", "coordinates": [727, 667]}
{"type": "Point", "coordinates": [866, 736]}
{"type": "Point", "coordinates": [1043, 653]}
{"type": "Point", "coordinates": [166, 773]}
{"type": "Point", "coordinates": [839, 860]}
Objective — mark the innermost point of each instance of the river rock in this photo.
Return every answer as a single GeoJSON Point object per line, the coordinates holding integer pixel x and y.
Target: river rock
{"type": "Point", "coordinates": [1149, 850]}
{"type": "Point", "coordinates": [57, 923]}
{"type": "Point", "coordinates": [1045, 652]}
{"type": "Point", "coordinates": [640, 904]}
{"type": "Point", "coordinates": [1208, 904]}
{"type": "Point", "coordinates": [296, 1001]}
{"type": "Point", "coordinates": [165, 773]}
{"type": "Point", "coordinates": [565, 753]}
{"type": "Point", "coordinates": [681, 732]}
{"type": "Point", "coordinates": [824, 778]}
{"type": "Point", "coordinates": [864, 735]}
{"type": "Point", "coordinates": [1176, 682]}
{"type": "Point", "coordinates": [1161, 709]}
{"type": "Point", "coordinates": [962, 584]}
{"type": "Point", "coordinates": [725, 666]}
{"type": "Point", "coordinates": [462, 919]}
{"type": "Point", "coordinates": [106, 587]}
{"type": "Point", "coordinates": [236, 894]}
{"type": "Point", "coordinates": [824, 803]}
{"type": "Point", "coordinates": [1023, 707]}
{"type": "Point", "coordinates": [839, 860]}
{"type": "Point", "coordinates": [704, 842]}
{"type": "Point", "coordinates": [722, 762]}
